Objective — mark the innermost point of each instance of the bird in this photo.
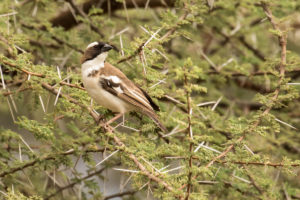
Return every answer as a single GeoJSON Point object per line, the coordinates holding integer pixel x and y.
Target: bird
{"type": "Point", "coordinates": [110, 87]}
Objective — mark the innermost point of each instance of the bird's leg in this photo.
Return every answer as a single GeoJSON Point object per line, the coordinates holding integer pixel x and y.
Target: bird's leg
{"type": "Point", "coordinates": [123, 119]}
{"type": "Point", "coordinates": [99, 119]}
{"type": "Point", "coordinates": [114, 118]}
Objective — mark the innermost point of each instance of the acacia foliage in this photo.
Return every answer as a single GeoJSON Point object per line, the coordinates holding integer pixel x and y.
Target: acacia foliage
{"type": "Point", "coordinates": [221, 71]}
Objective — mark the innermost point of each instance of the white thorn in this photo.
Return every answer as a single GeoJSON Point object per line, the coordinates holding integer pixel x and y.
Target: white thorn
{"type": "Point", "coordinates": [173, 131]}
{"type": "Point", "coordinates": [142, 59]}
{"type": "Point", "coordinates": [226, 63]}
{"type": "Point", "coordinates": [11, 111]}
{"type": "Point", "coordinates": [147, 31]}
{"type": "Point", "coordinates": [119, 33]}
{"type": "Point", "coordinates": [207, 182]}
{"type": "Point", "coordinates": [216, 104]}
{"type": "Point", "coordinates": [20, 153]}
{"type": "Point", "coordinates": [248, 149]}
{"type": "Point", "coordinates": [126, 182]}
{"type": "Point", "coordinates": [284, 123]}
{"type": "Point", "coordinates": [241, 179]}
{"type": "Point", "coordinates": [3, 193]}
{"type": "Point", "coordinates": [26, 144]}
{"type": "Point", "coordinates": [19, 48]}
{"type": "Point", "coordinates": [121, 44]}
{"type": "Point", "coordinates": [206, 103]}
{"type": "Point", "coordinates": [42, 103]}
{"type": "Point", "coordinates": [199, 146]}
{"type": "Point", "coordinates": [143, 52]}
{"type": "Point", "coordinates": [163, 55]}
{"type": "Point", "coordinates": [2, 78]}
{"type": "Point", "coordinates": [170, 170]}
{"type": "Point", "coordinates": [8, 14]}
{"type": "Point", "coordinates": [144, 185]}
{"type": "Point", "coordinates": [58, 93]}
{"type": "Point", "coordinates": [210, 148]}
{"type": "Point", "coordinates": [208, 60]}
{"type": "Point", "coordinates": [150, 164]}
{"type": "Point", "coordinates": [163, 168]}
{"type": "Point", "coordinates": [106, 158]}
{"type": "Point", "coordinates": [13, 102]}
{"type": "Point", "coordinates": [126, 170]}
{"type": "Point", "coordinates": [147, 4]}
{"type": "Point", "coordinates": [58, 72]}
{"type": "Point", "coordinates": [159, 82]}
{"type": "Point", "coordinates": [151, 38]}
{"type": "Point", "coordinates": [174, 157]}
{"type": "Point", "coordinates": [130, 128]}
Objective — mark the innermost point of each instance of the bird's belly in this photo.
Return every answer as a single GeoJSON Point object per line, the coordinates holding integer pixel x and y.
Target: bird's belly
{"type": "Point", "coordinates": [103, 97]}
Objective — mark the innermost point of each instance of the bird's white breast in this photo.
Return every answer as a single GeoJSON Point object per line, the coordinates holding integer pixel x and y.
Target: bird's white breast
{"type": "Point", "coordinates": [100, 95]}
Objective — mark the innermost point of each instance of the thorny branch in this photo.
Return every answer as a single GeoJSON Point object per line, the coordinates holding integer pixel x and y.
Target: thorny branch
{"type": "Point", "coordinates": [79, 11]}
{"type": "Point", "coordinates": [74, 183]}
{"type": "Point", "coordinates": [253, 181]}
{"type": "Point", "coordinates": [54, 37]}
{"type": "Point", "coordinates": [282, 42]}
{"type": "Point", "coordinates": [120, 194]}
{"type": "Point", "coordinates": [67, 20]}
{"type": "Point", "coordinates": [141, 46]}
{"type": "Point", "coordinates": [190, 133]}
{"type": "Point", "coordinates": [107, 128]}
{"type": "Point", "coordinates": [260, 163]}
{"type": "Point", "coordinates": [52, 156]}
{"type": "Point", "coordinates": [121, 145]}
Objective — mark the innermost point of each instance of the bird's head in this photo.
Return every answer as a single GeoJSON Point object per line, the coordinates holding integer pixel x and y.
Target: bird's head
{"type": "Point", "coordinates": [96, 50]}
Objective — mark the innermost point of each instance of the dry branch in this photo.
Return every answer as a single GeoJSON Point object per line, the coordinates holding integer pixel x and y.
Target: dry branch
{"type": "Point", "coordinates": [67, 20]}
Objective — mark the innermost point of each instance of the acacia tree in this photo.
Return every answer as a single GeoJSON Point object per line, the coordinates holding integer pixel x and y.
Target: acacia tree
{"type": "Point", "coordinates": [224, 74]}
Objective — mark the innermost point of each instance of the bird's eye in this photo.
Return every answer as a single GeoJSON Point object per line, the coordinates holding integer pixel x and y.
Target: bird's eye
{"type": "Point", "coordinates": [98, 46]}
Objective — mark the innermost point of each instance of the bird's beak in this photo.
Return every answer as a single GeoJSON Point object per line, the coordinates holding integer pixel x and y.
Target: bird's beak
{"type": "Point", "coordinates": [106, 47]}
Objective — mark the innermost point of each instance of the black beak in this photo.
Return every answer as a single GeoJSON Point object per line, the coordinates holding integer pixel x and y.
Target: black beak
{"type": "Point", "coordinates": [106, 47]}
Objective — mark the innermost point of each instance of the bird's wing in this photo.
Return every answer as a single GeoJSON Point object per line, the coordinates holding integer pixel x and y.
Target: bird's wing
{"type": "Point", "coordinates": [115, 82]}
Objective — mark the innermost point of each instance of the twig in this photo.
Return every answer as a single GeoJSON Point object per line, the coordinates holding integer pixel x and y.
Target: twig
{"type": "Point", "coordinates": [79, 11]}
{"type": "Point", "coordinates": [189, 132]}
{"type": "Point", "coordinates": [260, 163]}
{"type": "Point", "coordinates": [253, 181]}
{"type": "Point", "coordinates": [140, 48]}
{"type": "Point", "coordinates": [54, 37]}
{"type": "Point", "coordinates": [74, 183]}
{"type": "Point", "coordinates": [31, 163]}
{"type": "Point", "coordinates": [120, 194]}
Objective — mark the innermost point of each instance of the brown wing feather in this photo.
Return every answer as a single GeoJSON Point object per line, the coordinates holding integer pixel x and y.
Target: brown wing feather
{"type": "Point", "coordinates": [129, 87]}
{"type": "Point", "coordinates": [154, 106]}
{"type": "Point", "coordinates": [126, 95]}
{"type": "Point", "coordinates": [130, 93]}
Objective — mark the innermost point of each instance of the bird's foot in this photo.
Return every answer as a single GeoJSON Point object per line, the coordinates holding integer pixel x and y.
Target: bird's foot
{"type": "Point", "coordinates": [113, 119]}
{"type": "Point", "coordinates": [100, 119]}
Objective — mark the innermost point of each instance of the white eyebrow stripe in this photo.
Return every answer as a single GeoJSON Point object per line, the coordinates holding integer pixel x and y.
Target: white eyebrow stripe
{"type": "Point", "coordinates": [92, 44]}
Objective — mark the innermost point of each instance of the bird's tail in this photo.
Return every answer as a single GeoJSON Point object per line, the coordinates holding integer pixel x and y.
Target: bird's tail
{"type": "Point", "coordinates": [155, 118]}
